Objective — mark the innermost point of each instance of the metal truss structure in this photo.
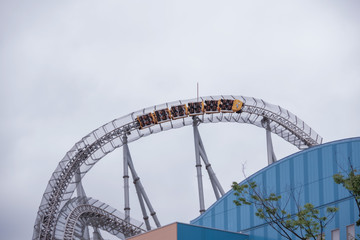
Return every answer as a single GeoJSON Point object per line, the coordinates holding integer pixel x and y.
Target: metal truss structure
{"type": "Point", "coordinates": [62, 217]}
{"type": "Point", "coordinates": [80, 212]}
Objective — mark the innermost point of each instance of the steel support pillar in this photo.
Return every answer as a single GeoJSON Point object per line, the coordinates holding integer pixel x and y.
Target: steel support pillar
{"type": "Point", "coordinates": [86, 234]}
{"type": "Point", "coordinates": [81, 193]}
{"type": "Point", "coordinates": [215, 182]}
{"type": "Point", "coordinates": [143, 209]}
{"type": "Point", "coordinates": [200, 153]}
{"type": "Point", "coordinates": [79, 188]}
{"type": "Point", "coordinates": [269, 146]}
{"type": "Point", "coordinates": [126, 181]}
{"type": "Point", "coordinates": [97, 235]}
{"type": "Point", "coordinates": [143, 198]}
{"type": "Point", "coordinates": [198, 166]}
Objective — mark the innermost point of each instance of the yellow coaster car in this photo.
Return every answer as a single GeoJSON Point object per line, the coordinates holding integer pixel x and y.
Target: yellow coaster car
{"type": "Point", "coordinates": [212, 106]}
{"type": "Point", "coordinates": [179, 111]}
{"type": "Point", "coordinates": [230, 105]}
{"type": "Point", "coordinates": [146, 120]}
{"type": "Point", "coordinates": [196, 108]}
{"type": "Point", "coordinates": [162, 115]}
{"type": "Point", "coordinates": [237, 106]}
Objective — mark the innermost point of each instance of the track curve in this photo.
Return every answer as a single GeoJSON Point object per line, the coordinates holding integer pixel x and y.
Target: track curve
{"type": "Point", "coordinates": [80, 212]}
{"type": "Point", "coordinates": [97, 144]}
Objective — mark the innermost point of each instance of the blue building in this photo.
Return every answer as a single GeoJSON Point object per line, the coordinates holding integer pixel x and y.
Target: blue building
{"type": "Point", "coordinates": [308, 173]}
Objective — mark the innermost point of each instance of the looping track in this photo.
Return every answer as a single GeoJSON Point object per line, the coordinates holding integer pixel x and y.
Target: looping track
{"type": "Point", "coordinates": [97, 144]}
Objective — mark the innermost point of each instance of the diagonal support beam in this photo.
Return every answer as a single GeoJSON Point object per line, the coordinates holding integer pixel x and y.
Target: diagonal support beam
{"type": "Point", "coordinates": [214, 180]}
{"type": "Point", "coordinates": [141, 189]}
{"type": "Point", "coordinates": [142, 196]}
{"type": "Point", "coordinates": [127, 157]}
{"type": "Point", "coordinates": [200, 153]}
{"type": "Point", "coordinates": [211, 172]}
{"type": "Point", "coordinates": [143, 209]}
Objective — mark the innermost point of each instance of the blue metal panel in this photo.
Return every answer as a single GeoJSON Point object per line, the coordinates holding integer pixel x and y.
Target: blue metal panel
{"type": "Point", "coordinates": [356, 154]}
{"type": "Point", "coordinates": [343, 157]}
{"type": "Point", "coordinates": [211, 218]}
{"type": "Point", "coordinates": [292, 203]}
{"type": "Point", "coordinates": [207, 220]}
{"type": "Point", "coordinates": [328, 172]}
{"type": "Point", "coordinates": [313, 165]}
{"type": "Point", "coordinates": [306, 178]}
{"type": "Point", "coordinates": [352, 211]}
{"type": "Point", "coordinates": [219, 213]}
{"type": "Point", "coordinates": [327, 232]}
{"type": "Point", "coordinates": [270, 179]}
{"type": "Point", "coordinates": [252, 215]}
{"type": "Point", "coordinates": [284, 175]}
{"type": "Point", "coordinates": [342, 154]}
{"type": "Point", "coordinates": [277, 181]}
{"type": "Point", "coordinates": [344, 213]}
{"type": "Point", "coordinates": [231, 214]}
{"type": "Point", "coordinates": [335, 186]}
{"type": "Point", "coordinates": [285, 182]}
{"type": "Point", "coordinates": [190, 232]}
{"type": "Point", "coordinates": [342, 232]}
{"type": "Point", "coordinates": [299, 176]}
{"type": "Point", "coordinates": [272, 233]}
{"type": "Point", "coordinates": [320, 177]}
{"type": "Point", "coordinates": [226, 227]}
{"type": "Point", "coordinates": [258, 234]}
{"type": "Point", "coordinates": [328, 159]}
{"type": "Point", "coordinates": [329, 195]}
{"type": "Point", "coordinates": [311, 172]}
{"type": "Point", "coordinates": [238, 220]}
{"type": "Point", "coordinates": [245, 217]}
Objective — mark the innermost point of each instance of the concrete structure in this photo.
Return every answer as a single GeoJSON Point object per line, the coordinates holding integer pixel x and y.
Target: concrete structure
{"type": "Point", "coordinates": [309, 173]}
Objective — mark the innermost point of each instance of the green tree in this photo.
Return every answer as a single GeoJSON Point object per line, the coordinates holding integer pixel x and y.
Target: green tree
{"type": "Point", "coordinates": [351, 181]}
{"type": "Point", "coordinates": [305, 223]}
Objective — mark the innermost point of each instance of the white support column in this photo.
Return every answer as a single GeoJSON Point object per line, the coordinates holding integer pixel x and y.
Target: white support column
{"type": "Point", "coordinates": [126, 179]}
{"type": "Point", "coordinates": [198, 165]}
{"type": "Point", "coordinates": [269, 146]}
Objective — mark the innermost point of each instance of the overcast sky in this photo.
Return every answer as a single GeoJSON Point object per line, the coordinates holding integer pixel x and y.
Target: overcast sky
{"type": "Point", "coordinates": [67, 67]}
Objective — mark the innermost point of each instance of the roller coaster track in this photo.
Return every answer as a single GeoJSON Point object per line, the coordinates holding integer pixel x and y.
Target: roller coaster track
{"type": "Point", "coordinates": [97, 144]}
{"type": "Point", "coordinates": [82, 211]}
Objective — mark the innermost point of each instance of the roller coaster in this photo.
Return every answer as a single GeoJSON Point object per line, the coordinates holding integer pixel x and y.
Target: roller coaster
{"type": "Point", "coordinates": [61, 215]}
